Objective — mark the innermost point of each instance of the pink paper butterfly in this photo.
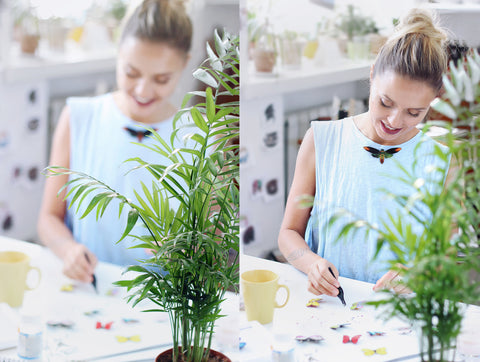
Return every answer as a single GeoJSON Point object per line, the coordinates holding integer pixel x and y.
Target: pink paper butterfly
{"type": "Point", "coordinates": [354, 339]}
{"type": "Point", "coordinates": [104, 326]}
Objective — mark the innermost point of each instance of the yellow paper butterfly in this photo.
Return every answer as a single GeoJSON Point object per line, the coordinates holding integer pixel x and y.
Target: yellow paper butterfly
{"type": "Point", "coordinates": [123, 339]}
{"type": "Point", "coordinates": [371, 352]}
{"type": "Point", "coordinates": [67, 288]}
{"type": "Point", "coordinates": [314, 302]}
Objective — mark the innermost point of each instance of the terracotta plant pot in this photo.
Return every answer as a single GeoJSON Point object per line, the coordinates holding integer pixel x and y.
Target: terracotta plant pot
{"type": "Point", "coordinates": [214, 356]}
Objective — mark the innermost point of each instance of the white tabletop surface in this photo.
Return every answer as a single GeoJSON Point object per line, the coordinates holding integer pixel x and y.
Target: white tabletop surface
{"type": "Point", "coordinates": [85, 342]}
{"type": "Point", "coordinates": [298, 319]}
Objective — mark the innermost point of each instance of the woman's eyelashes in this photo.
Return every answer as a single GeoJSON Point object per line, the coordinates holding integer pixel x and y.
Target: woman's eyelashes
{"type": "Point", "coordinates": [389, 105]}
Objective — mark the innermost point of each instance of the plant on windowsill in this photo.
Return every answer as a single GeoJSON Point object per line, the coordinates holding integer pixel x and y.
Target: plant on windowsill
{"type": "Point", "coordinates": [442, 255]}
{"type": "Point", "coordinates": [190, 271]}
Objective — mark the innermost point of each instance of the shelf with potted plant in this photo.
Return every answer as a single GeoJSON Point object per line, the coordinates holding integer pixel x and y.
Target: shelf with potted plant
{"type": "Point", "coordinates": [195, 246]}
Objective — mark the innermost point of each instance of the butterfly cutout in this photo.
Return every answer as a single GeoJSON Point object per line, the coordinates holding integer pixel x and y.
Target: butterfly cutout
{"type": "Point", "coordinates": [313, 303]}
{"type": "Point", "coordinates": [66, 288]}
{"type": "Point", "coordinates": [357, 306]}
{"type": "Point", "coordinates": [313, 338]}
{"type": "Point", "coordinates": [139, 134]}
{"type": "Point", "coordinates": [354, 339]}
{"type": "Point", "coordinates": [60, 324]}
{"type": "Point", "coordinates": [123, 339]}
{"type": "Point", "coordinates": [371, 352]}
{"type": "Point", "coordinates": [104, 326]}
{"type": "Point", "coordinates": [112, 292]}
{"type": "Point", "coordinates": [337, 326]}
{"type": "Point", "coordinates": [130, 320]}
{"type": "Point", "coordinates": [374, 333]}
{"type": "Point", "coordinates": [92, 312]}
{"type": "Point", "coordinates": [382, 154]}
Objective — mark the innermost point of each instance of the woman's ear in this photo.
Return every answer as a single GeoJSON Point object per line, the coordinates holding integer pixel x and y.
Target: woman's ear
{"type": "Point", "coordinates": [371, 72]}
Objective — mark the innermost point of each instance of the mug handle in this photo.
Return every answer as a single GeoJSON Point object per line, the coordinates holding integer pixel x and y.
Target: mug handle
{"type": "Point", "coordinates": [286, 300]}
{"type": "Point", "coordinates": [39, 278]}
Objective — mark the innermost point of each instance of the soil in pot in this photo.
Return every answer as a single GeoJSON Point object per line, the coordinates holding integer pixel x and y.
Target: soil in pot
{"type": "Point", "coordinates": [215, 356]}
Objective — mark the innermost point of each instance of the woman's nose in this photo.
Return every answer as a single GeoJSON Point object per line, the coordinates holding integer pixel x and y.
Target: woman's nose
{"type": "Point", "coordinates": [394, 119]}
{"type": "Point", "coordinates": [142, 88]}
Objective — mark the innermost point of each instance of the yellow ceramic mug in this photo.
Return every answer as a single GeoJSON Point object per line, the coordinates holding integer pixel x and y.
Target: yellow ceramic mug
{"type": "Point", "coordinates": [14, 268]}
{"type": "Point", "coordinates": [259, 288]}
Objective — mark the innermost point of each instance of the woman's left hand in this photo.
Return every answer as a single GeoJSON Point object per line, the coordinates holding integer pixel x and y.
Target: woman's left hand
{"type": "Point", "coordinates": [392, 280]}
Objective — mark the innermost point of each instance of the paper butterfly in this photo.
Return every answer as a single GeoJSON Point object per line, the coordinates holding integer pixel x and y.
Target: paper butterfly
{"type": "Point", "coordinates": [123, 339]}
{"type": "Point", "coordinates": [60, 324]}
{"type": "Point", "coordinates": [382, 154]}
{"type": "Point", "coordinates": [112, 292]}
{"type": "Point", "coordinates": [337, 326]}
{"type": "Point", "coordinates": [357, 306]}
{"type": "Point", "coordinates": [313, 303]}
{"type": "Point", "coordinates": [92, 312]}
{"type": "Point", "coordinates": [404, 330]}
{"type": "Point", "coordinates": [104, 326]}
{"type": "Point", "coordinates": [130, 320]}
{"type": "Point", "coordinates": [66, 288]}
{"type": "Point", "coordinates": [371, 352]}
{"type": "Point", "coordinates": [354, 339]}
{"type": "Point", "coordinates": [373, 333]}
{"type": "Point", "coordinates": [314, 338]}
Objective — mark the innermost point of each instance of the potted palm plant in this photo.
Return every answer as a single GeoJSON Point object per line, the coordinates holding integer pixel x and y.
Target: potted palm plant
{"type": "Point", "coordinates": [190, 269]}
{"type": "Point", "coordinates": [442, 254]}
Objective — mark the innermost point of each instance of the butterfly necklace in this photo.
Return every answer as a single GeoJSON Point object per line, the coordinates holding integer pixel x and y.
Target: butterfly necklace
{"type": "Point", "coordinates": [139, 134]}
{"type": "Point", "coordinates": [382, 154]}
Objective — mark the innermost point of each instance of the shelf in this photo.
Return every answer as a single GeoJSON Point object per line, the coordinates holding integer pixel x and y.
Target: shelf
{"type": "Point", "coordinates": [64, 65]}
{"type": "Point", "coordinates": [308, 77]}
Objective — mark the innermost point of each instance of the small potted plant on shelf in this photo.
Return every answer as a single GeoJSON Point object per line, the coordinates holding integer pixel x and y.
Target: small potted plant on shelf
{"type": "Point", "coordinates": [195, 247]}
{"type": "Point", "coordinates": [443, 253]}
{"type": "Point", "coordinates": [355, 27]}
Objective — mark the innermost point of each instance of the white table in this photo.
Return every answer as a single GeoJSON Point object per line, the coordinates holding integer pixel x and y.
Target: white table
{"type": "Point", "coordinates": [84, 341]}
{"type": "Point", "coordinates": [298, 319]}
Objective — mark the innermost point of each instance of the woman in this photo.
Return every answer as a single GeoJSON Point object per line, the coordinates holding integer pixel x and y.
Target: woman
{"type": "Point", "coordinates": [95, 136]}
{"type": "Point", "coordinates": [344, 163]}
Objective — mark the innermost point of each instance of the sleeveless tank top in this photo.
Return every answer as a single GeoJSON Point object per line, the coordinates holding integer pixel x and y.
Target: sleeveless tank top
{"type": "Point", "coordinates": [348, 177]}
{"type": "Point", "coordinates": [99, 145]}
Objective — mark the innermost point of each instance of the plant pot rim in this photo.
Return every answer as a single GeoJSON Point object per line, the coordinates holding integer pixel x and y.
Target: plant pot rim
{"type": "Point", "coordinates": [167, 352]}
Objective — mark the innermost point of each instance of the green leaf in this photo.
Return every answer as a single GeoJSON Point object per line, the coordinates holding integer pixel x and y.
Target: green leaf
{"type": "Point", "coordinates": [210, 107]}
{"type": "Point", "coordinates": [198, 118]}
{"type": "Point", "coordinates": [203, 76]}
{"type": "Point", "coordinates": [131, 221]}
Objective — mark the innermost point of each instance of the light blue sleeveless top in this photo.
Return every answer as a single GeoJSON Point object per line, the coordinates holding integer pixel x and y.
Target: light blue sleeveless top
{"type": "Point", "coordinates": [99, 145]}
{"type": "Point", "coordinates": [347, 176]}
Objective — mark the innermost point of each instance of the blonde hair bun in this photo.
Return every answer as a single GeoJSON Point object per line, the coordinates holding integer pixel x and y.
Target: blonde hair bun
{"type": "Point", "coordinates": [417, 49]}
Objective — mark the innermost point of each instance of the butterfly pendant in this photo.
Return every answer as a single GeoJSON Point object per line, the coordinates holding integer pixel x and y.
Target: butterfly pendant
{"type": "Point", "coordinates": [371, 352]}
{"type": "Point", "coordinates": [139, 134]}
{"type": "Point", "coordinates": [354, 339]}
{"type": "Point", "coordinates": [104, 326]}
{"type": "Point", "coordinates": [123, 339]}
{"type": "Point", "coordinates": [382, 154]}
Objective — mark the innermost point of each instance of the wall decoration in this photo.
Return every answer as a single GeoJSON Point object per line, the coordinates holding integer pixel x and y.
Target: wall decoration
{"type": "Point", "coordinates": [256, 188]}
{"type": "Point", "coordinates": [270, 139]}
{"type": "Point", "coordinates": [246, 158]}
{"type": "Point", "coordinates": [6, 219]}
{"type": "Point", "coordinates": [4, 141]}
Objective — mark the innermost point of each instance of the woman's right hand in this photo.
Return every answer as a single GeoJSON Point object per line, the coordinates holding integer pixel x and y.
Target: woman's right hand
{"type": "Point", "coordinates": [79, 263]}
{"type": "Point", "coordinates": [320, 280]}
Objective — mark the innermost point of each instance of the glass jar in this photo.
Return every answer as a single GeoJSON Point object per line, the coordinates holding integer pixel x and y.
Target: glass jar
{"type": "Point", "coordinates": [30, 337]}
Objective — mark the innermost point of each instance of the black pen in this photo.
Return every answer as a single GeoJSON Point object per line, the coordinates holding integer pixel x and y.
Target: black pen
{"type": "Point", "coordinates": [340, 290]}
{"type": "Point", "coordinates": [94, 281]}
